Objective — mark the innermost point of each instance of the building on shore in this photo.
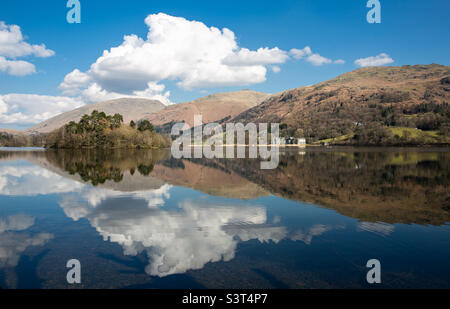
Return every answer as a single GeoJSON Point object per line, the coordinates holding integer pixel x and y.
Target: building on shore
{"type": "Point", "coordinates": [283, 141]}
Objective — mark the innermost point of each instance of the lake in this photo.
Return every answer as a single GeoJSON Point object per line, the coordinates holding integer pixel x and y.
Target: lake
{"type": "Point", "coordinates": [141, 219]}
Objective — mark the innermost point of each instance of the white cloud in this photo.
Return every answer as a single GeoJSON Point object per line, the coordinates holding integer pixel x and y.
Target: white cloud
{"type": "Point", "coordinates": [318, 60]}
{"type": "Point", "coordinates": [74, 81]}
{"type": "Point", "coordinates": [301, 53]}
{"type": "Point", "coordinates": [262, 56]}
{"type": "Point", "coordinates": [26, 109]}
{"type": "Point", "coordinates": [16, 67]}
{"type": "Point", "coordinates": [313, 58]}
{"type": "Point", "coordinates": [188, 52]}
{"type": "Point", "coordinates": [95, 93]}
{"type": "Point", "coordinates": [276, 69]}
{"type": "Point", "coordinates": [12, 46]}
{"type": "Point", "coordinates": [381, 59]}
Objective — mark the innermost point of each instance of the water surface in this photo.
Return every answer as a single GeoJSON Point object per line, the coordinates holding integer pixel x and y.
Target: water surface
{"type": "Point", "coordinates": [141, 219]}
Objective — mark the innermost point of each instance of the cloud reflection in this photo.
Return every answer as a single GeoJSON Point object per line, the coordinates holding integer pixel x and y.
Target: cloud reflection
{"type": "Point", "coordinates": [13, 244]}
{"type": "Point", "coordinates": [185, 238]}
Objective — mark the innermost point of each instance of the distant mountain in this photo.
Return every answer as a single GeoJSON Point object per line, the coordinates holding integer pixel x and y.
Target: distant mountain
{"type": "Point", "coordinates": [131, 109]}
{"type": "Point", "coordinates": [213, 108]}
{"type": "Point", "coordinates": [11, 131]}
{"type": "Point", "coordinates": [387, 97]}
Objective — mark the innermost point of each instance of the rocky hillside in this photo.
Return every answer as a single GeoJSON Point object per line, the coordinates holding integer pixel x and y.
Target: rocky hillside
{"type": "Point", "coordinates": [131, 109]}
{"type": "Point", "coordinates": [355, 103]}
{"type": "Point", "coordinates": [213, 108]}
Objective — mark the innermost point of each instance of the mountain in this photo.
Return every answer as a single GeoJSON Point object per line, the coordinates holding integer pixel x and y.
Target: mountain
{"type": "Point", "coordinates": [11, 131]}
{"type": "Point", "coordinates": [213, 108]}
{"type": "Point", "coordinates": [131, 109]}
{"type": "Point", "coordinates": [408, 97]}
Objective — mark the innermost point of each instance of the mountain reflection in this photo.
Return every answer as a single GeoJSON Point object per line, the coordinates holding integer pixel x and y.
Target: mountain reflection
{"type": "Point", "coordinates": [388, 185]}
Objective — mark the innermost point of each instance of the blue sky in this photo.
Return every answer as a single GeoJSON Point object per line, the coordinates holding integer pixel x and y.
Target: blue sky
{"type": "Point", "coordinates": [411, 32]}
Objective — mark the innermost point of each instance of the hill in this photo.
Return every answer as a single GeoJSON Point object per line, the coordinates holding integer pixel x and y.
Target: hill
{"type": "Point", "coordinates": [213, 108]}
{"type": "Point", "coordinates": [11, 131]}
{"type": "Point", "coordinates": [363, 106]}
{"type": "Point", "coordinates": [131, 109]}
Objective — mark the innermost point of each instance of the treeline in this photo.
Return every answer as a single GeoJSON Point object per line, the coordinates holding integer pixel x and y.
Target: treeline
{"type": "Point", "coordinates": [375, 135]}
{"type": "Point", "coordinates": [21, 140]}
{"type": "Point", "coordinates": [101, 131]}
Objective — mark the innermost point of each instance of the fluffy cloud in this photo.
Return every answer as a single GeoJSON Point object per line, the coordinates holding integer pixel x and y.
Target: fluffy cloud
{"type": "Point", "coordinates": [74, 81]}
{"type": "Point", "coordinates": [27, 109]}
{"type": "Point", "coordinates": [318, 60]}
{"type": "Point", "coordinates": [16, 67]}
{"type": "Point", "coordinates": [381, 59]}
{"type": "Point", "coordinates": [188, 52]}
{"type": "Point", "coordinates": [313, 58]}
{"type": "Point", "coordinates": [12, 46]}
{"type": "Point", "coordinates": [95, 93]}
{"type": "Point", "coordinates": [262, 56]}
{"type": "Point", "coordinates": [301, 53]}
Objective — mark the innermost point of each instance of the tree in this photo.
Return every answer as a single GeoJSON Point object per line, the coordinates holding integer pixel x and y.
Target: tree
{"type": "Point", "coordinates": [132, 124]}
{"type": "Point", "coordinates": [116, 121]}
{"type": "Point", "coordinates": [145, 125]}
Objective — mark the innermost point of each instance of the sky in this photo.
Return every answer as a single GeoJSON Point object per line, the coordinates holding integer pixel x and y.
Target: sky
{"type": "Point", "coordinates": [177, 51]}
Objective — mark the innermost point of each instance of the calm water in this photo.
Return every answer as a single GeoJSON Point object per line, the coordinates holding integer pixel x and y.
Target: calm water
{"type": "Point", "coordinates": [140, 219]}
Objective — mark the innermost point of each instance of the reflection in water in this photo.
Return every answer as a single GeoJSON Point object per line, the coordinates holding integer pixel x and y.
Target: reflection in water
{"type": "Point", "coordinates": [183, 239]}
{"type": "Point", "coordinates": [12, 244]}
{"type": "Point", "coordinates": [377, 228]}
{"type": "Point", "coordinates": [374, 186]}
{"type": "Point", "coordinates": [134, 199]}
{"type": "Point", "coordinates": [32, 180]}
{"type": "Point", "coordinates": [392, 187]}
{"type": "Point", "coordinates": [307, 236]}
